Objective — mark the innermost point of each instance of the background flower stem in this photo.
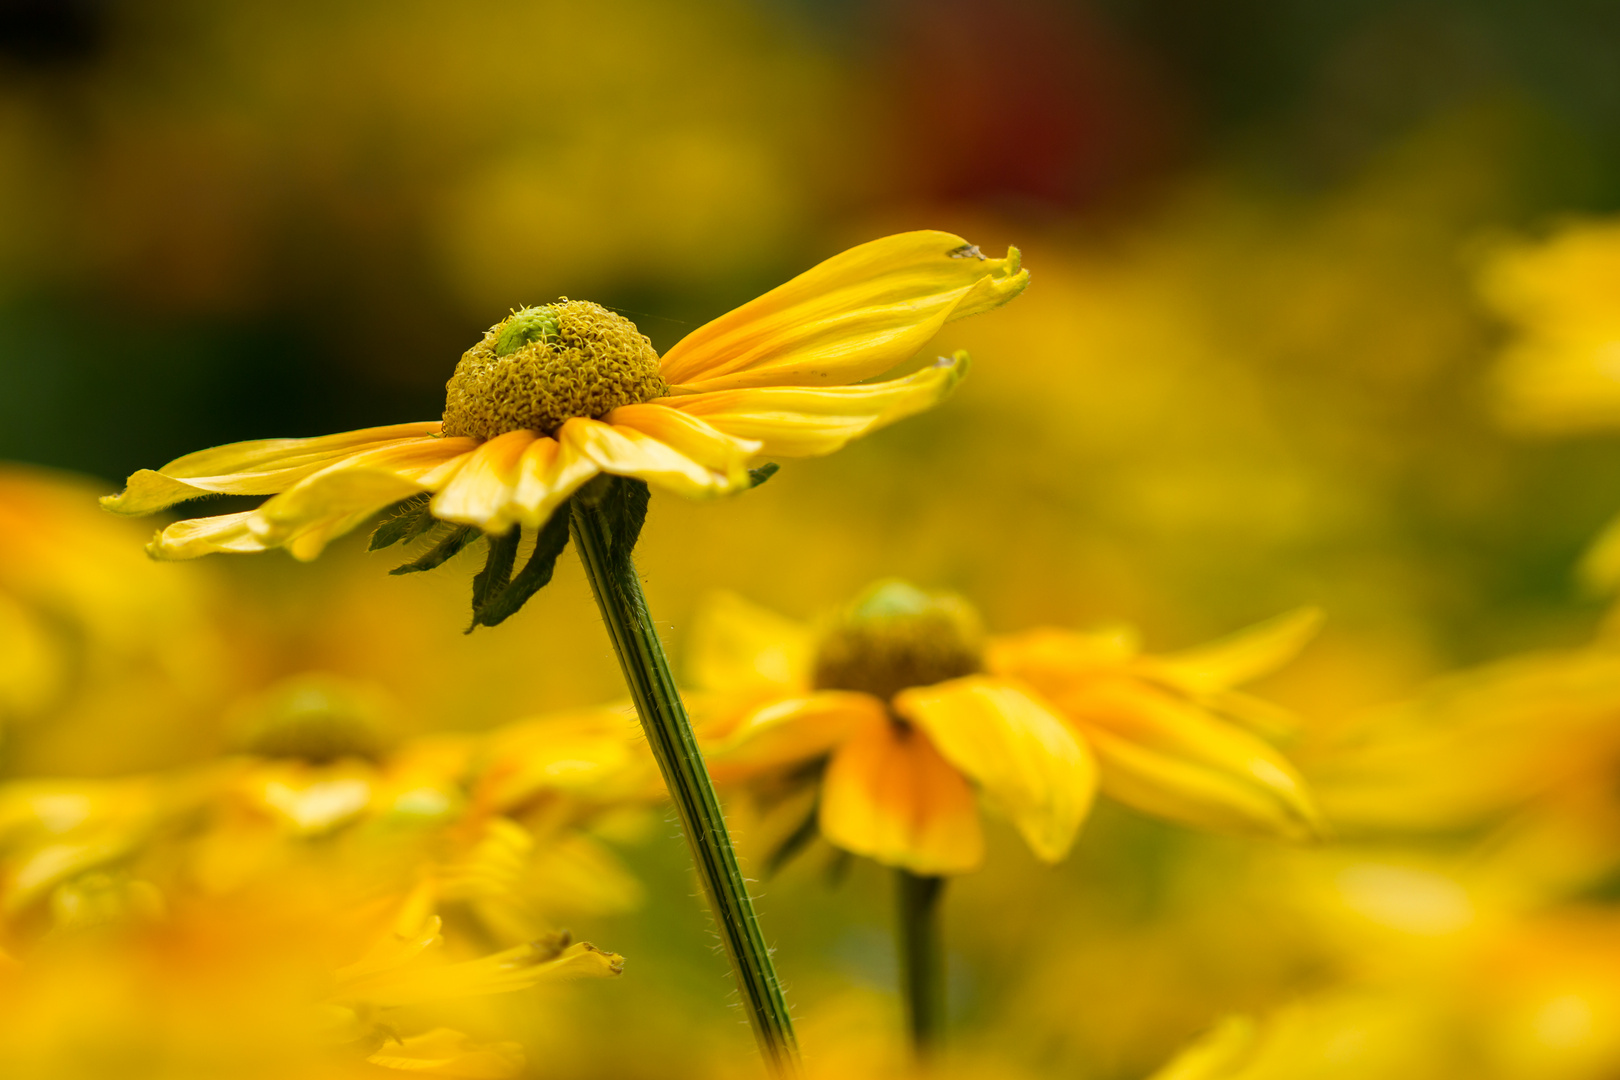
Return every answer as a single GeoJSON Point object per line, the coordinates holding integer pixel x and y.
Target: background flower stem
{"type": "Point", "coordinates": [922, 968]}
{"type": "Point", "coordinates": [652, 687]}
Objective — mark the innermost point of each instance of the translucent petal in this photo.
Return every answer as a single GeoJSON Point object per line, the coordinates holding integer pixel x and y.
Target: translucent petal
{"type": "Point", "coordinates": [887, 794]}
{"type": "Point", "coordinates": [1240, 657]}
{"type": "Point", "coordinates": [806, 422]}
{"type": "Point", "coordinates": [856, 315]}
{"type": "Point", "coordinates": [260, 467]}
{"type": "Point", "coordinates": [1024, 755]}
{"type": "Point", "coordinates": [482, 491]}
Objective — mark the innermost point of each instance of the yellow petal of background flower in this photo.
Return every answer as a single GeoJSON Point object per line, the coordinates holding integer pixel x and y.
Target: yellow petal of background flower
{"type": "Point", "coordinates": [888, 795]}
{"type": "Point", "coordinates": [260, 467]}
{"type": "Point", "coordinates": [1240, 657]}
{"type": "Point", "coordinates": [503, 972]}
{"type": "Point", "coordinates": [1166, 756]}
{"type": "Point", "coordinates": [443, 1052]}
{"type": "Point", "coordinates": [624, 451]}
{"type": "Point", "coordinates": [792, 731]}
{"type": "Point", "coordinates": [1020, 752]}
{"type": "Point", "coordinates": [854, 316]}
{"type": "Point", "coordinates": [792, 421]}
{"type": "Point", "coordinates": [737, 645]}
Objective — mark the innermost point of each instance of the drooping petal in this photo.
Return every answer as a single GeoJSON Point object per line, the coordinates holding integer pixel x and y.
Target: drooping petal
{"type": "Point", "coordinates": [482, 491]}
{"type": "Point", "coordinates": [794, 730]}
{"type": "Point", "coordinates": [854, 316]}
{"type": "Point", "coordinates": [321, 506]}
{"type": "Point", "coordinates": [624, 451]}
{"type": "Point", "coordinates": [688, 435]}
{"type": "Point", "coordinates": [1021, 753]}
{"type": "Point", "coordinates": [805, 422]}
{"type": "Point", "coordinates": [1054, 660]}
{"type": "Point", "coordinates": [887, 794]}
{"type": "Point", "coordinates": [737, 645]}
{"type": "Point", "coordinates": [260, 467]}
{"type": "Point", "coordinates": [1240, 657]}
{"type": "Point", "coordinates": [1166, 756]}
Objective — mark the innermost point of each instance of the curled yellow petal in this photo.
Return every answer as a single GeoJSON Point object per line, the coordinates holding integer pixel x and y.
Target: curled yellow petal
{"type": "Point", "coordinates": [625, 451]}
{"type": "Point", "coordinates": [1166, 756]}
{"type": "Point", "coordinates": [853, 316]}
{"type": "Point", "coordinates": [195, 537]}
{"type": "Point", "coordinates": [259, 467]}
{"type": "Point", "coordinates": [792, 421]}
{"type": "Point", "coordinates": [482, 491]}
{"type": "Point", "coordinates": [688, 435]}
{"type": "Point", "coordinates": [887, 794]}
{"type": "Point", "coordinates": [1021, 753]}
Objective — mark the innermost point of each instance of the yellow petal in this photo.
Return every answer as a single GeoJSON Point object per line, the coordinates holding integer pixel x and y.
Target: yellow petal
{"type": "Point", "coordinates": [1166, 756]}
{"type": "Point", "coordinates": [482, 491]}
{"type": "Point", "coordinates": [1054, 660]}
{"type": "Point", "coordinates": [1020, 752]}
{"type": "Point", "coordinates": [804, 422]}
{"type": "Point", "coordinates": [737, 645]}
{"type": "Point", "coordinates": [888, 795]}
{"type": "Point", "coordinates": [503, 972]}
{"type": "Point", "coordinates": [204, 536]}
{"type": "Point", "coordinates": [1240, 657]}
{"type": "Point", "coordinates": [791, 731]}
{"type": "Point", "coordinates": [624, 451]}
{"type": "Point", "coordinates": [261, 467]}
{"type": "Point", "coordinates": [854, 316]}
{"type": "Point", "coordinates": [1224, 1053]}
{"type": "Point", "coordinates": [447, 1053]}
{"type": "Point", "coordinates": [686, 434]}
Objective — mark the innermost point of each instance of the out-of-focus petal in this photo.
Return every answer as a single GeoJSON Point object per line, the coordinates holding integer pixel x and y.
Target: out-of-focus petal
{"type": "Point", "coordinates": [1240, 657]}
{"type": "Point", "coordinates": [854, 316]}
{"type": "Point", "coordinates": [260, 467]}
{"type": "Point", "coordinates": [1022, 754]}
{"type": "Point", "coordinates": [888, 795]}
{"type": "Point", "coordinates": [1054, 660]}
{"type": "Point", "coordinates": [806, 422]}
{"type": "Point", "coordinates": [514, 969]}
{"type": "Point", "coordinates": [1166, 756]}
{"type": "Point", "coordinates": [791, 731]}
{"type": "Point", "coordinates": [624, 451]}
{"type": "Point", "coordinates": [447, 1053]}
{"type": "Point", "coordinates": [737, 645]}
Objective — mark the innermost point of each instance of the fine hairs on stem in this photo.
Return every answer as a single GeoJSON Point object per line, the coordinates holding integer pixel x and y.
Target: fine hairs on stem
{"type": "Point", "coordinates": [606, 517]}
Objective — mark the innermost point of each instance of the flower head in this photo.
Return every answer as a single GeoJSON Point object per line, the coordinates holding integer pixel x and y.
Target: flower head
{"type": "Point", "coordinates": [902, 709]}
{"type": "Point", "coordinates": [554, 395]}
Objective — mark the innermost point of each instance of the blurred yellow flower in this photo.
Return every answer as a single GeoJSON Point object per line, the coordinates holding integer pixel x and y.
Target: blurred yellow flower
{"type": "Point", "coordinates": [554, 395]}
{"type": "Point", "coordinates": [909, 707]}
{"type": "Point", "coordinates": [1561, 370]}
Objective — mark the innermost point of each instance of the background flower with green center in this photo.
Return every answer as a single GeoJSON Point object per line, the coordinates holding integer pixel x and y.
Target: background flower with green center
{"type": "Point", "coordinates": [898, 710]}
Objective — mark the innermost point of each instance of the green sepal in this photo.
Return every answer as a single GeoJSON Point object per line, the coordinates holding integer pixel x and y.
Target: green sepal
{"type": "Point", "coordinates": [534, 576]}
{"type": "Point", "coordinates": [496, 575]}
{"type": "Point", "coordinates": [410, 520]}
{"type": "Point", "coordinates": [441, 552]}
{"type": "Point", "coordinates": [795, 841]}
{"type": "Point", "coordinates": [763, 473]}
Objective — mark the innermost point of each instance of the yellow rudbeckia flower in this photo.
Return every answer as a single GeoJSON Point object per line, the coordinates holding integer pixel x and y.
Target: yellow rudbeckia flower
{"type": "Point", "coordinates": [913, 710]}
{"type": "Point", "coordinates": [554, 395]}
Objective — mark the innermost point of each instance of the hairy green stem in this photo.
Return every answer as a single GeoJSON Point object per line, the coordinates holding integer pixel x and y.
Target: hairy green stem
{"type": "Point", "coordinates": [669, 732]}
{"type": "Point", "coordinates": [922, 958]}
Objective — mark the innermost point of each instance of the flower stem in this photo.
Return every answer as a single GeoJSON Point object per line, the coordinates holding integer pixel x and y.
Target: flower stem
{"type": "Point", "coordinates": [669, 732]}
{"type": "Point", "coordinates": [921, 958]}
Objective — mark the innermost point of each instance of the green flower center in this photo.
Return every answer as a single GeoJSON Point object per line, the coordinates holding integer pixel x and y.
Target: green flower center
{"type": "Point", "coordinates": [316, 719]}
{"type": "Point", "coordinates": [896, 636]}
{"type": "Point", "coordinates": [542, 366]}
